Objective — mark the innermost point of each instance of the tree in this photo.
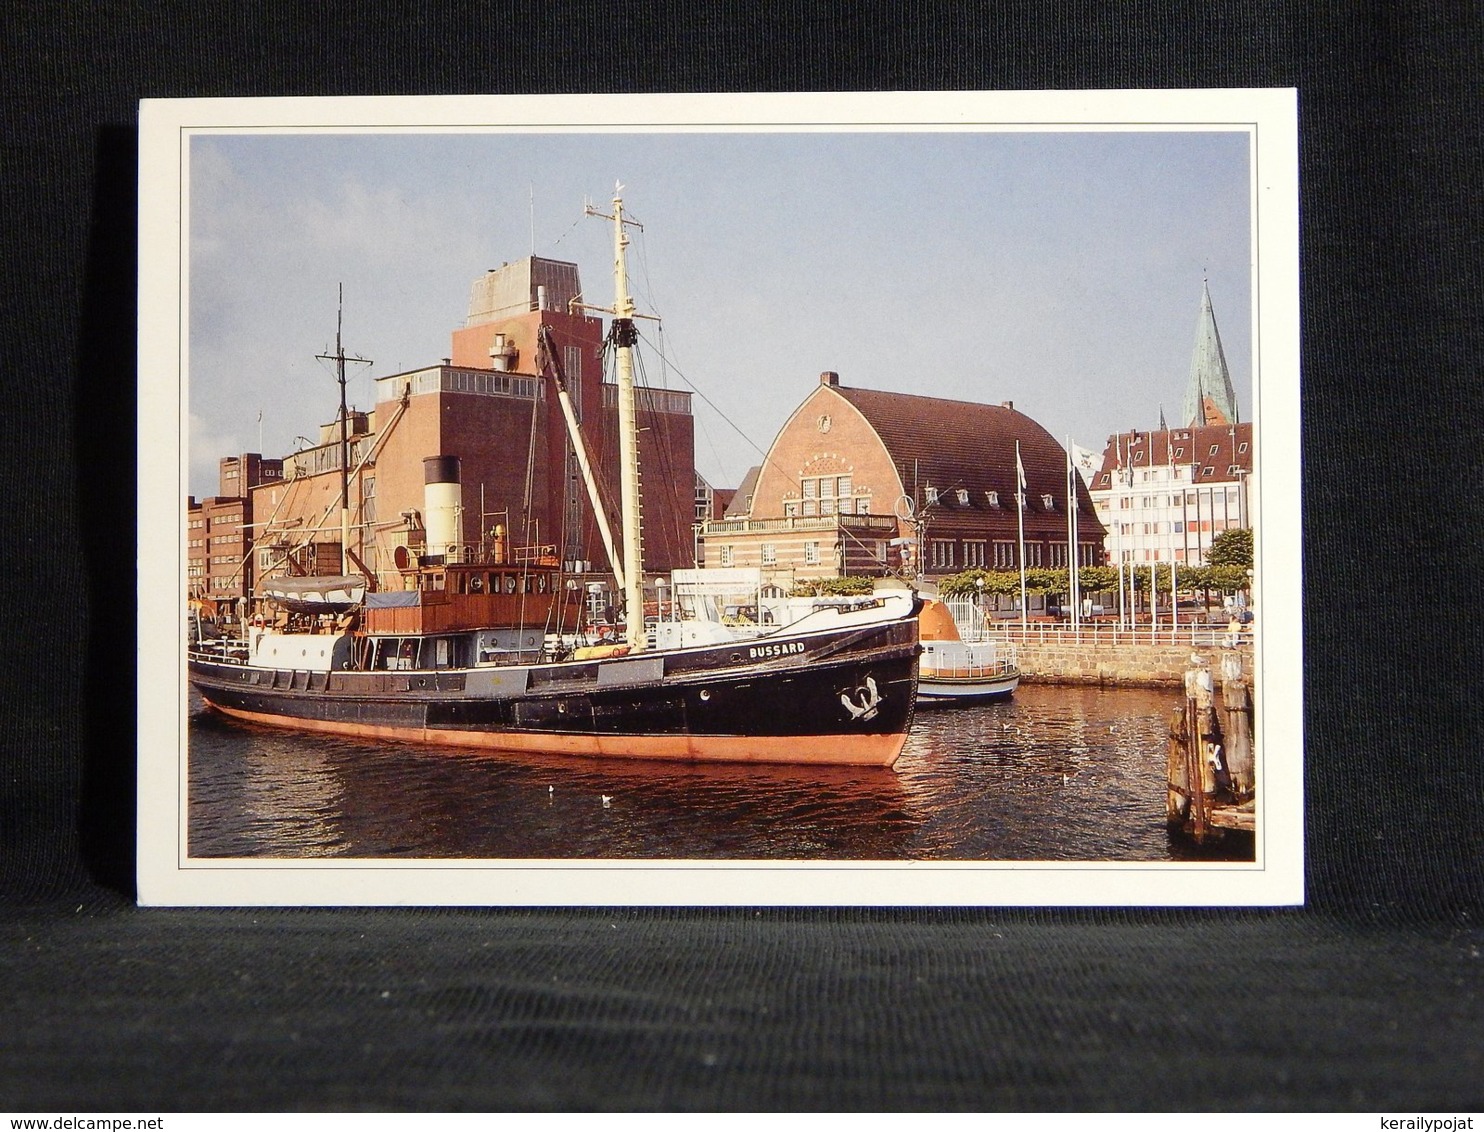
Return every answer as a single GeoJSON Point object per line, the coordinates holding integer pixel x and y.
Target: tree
{"type": "Point", "coordinates": [1231, 548]}
{"type": "Point", "coordinates": [853, 586]}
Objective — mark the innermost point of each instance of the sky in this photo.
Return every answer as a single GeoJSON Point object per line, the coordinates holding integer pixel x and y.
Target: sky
{"type": "Point", "coordinates": [1058, 270]}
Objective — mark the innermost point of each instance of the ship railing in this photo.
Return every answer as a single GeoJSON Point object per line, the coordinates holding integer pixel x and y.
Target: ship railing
{"type": "Point", "coordinates": [219, 652]}
{"type": "Point", "coordinates": [973, 670]}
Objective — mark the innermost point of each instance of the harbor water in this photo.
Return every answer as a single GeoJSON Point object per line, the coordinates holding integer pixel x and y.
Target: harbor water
{"type": "Point", "coordinates": [1058, 773]}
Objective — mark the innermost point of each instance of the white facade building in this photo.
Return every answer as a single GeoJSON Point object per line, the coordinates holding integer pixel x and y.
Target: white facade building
{"type": "Point", "coordinates": [1163, 496]}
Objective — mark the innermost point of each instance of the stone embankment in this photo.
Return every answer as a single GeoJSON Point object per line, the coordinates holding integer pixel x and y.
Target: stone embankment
{"type": "Point", "coordinates": [1106, 663]}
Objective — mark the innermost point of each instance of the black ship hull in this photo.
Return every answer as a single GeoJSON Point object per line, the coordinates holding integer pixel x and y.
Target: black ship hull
{"type": "Point", "coordinates": [842, 697]}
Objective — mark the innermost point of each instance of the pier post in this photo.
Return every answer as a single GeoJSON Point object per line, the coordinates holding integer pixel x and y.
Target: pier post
{"type": "Point", "coordinates": [1202, 733]}
{"type": "Point", "coordinates": [1178, 794]}
{"type": "Point", "coordinates": [1236, 703]}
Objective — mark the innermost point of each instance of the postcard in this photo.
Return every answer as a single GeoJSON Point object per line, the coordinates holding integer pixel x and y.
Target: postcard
{"type": "Point", "coordinates": [816, 499]}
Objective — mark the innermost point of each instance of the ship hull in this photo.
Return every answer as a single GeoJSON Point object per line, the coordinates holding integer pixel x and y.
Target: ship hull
{"type": "Point", "coordinates": [836, 698]}
{"type": "Point", "coordinates": [979, 689]}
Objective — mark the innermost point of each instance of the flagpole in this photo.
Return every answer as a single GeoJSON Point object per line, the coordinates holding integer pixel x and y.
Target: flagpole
{"type": "Point", "coordinates": [1153, 600]}
{"type": "Point", "coordinates": [1020, 512]}
{"type": "Point", "coordinates": [1071, 535]}
{"type": "Point", "coordinates": [1174, 599]}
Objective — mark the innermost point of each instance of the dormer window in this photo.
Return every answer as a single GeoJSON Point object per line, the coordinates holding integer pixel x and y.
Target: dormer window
{"type": "Point", "coordinates": [1215, 448]}
{"type": "Point", "coordinates": [932, 495]}
{"type": "Point", "coordinates": [993, 497]}
{"type": "Point", "coordinates": [963, 497]}
{"type": "Point", "coordinates": [1048, 502]}
{"type": "Point", "coordinates": [1179, 452]}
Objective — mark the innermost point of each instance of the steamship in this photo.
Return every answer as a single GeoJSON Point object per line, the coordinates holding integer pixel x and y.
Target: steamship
{"type": "Point", "coordinates": [458, 656]}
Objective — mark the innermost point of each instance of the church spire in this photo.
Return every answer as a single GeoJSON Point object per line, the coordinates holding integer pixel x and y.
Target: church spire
{"type": "Point", "coordinates": [1209, 396]}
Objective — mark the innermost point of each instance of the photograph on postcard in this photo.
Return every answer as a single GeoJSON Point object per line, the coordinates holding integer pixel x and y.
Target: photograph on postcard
{"type": "Point", "coordinates": [804, 492]}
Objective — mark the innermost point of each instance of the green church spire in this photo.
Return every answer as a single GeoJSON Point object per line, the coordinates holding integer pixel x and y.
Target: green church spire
{"type": "Point", "coordinates": [1209, 396]}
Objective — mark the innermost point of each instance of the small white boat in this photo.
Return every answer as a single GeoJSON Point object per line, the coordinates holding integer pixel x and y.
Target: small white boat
{"type": "Point", "coordinates": [952, 669]}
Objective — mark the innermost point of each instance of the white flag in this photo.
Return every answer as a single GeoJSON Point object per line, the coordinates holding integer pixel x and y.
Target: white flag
{"type": "Point", "coordinates": [1086, 461]}
{"type": "Point", "coordinates": [1020, 477]}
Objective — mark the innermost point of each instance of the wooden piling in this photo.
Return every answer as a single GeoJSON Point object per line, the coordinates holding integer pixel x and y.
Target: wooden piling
{"type": "Point", "coordinates": [1211, 785]}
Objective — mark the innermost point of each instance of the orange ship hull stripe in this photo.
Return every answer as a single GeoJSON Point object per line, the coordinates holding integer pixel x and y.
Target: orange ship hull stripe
{"type": "Point", "coordinates": [823, 750]}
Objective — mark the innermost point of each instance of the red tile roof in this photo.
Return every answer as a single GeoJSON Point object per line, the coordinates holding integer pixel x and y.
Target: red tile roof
{"type": "Point", "coordinates": [1194, 446]}
{"type": "Point", "coordinates": [953, 445]}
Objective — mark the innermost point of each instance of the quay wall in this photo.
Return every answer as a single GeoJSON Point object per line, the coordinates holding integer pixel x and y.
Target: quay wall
{"type": "Point", "coordinates": [1106, 663]}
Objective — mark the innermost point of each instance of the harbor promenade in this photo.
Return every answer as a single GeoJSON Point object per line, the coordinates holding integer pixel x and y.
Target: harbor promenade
{"type": "Point", "coordinates": [1107, 656]}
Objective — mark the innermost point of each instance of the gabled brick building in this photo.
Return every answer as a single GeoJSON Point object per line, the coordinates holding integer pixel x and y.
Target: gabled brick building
{"type": "Point", "coordinates": [861, 481]}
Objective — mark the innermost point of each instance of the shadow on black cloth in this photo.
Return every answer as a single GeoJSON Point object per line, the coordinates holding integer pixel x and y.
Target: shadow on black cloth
{"type": "Point", "coordinates": [1368, 999]}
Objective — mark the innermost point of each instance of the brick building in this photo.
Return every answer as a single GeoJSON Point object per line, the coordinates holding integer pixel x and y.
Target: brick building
{"type": "Point", "coordinates": [219, 530]}
{"type": "Point", "coordinates": [488, 406]}
{"type": "Point", "coordinates": [861, 481]}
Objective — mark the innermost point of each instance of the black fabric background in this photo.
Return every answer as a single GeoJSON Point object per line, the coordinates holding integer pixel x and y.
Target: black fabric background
{"type": "Point", "coordinates": [1368, 998]}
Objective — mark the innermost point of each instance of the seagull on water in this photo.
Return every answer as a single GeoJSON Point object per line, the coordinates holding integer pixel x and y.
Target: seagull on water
{"type": "Point", "coordinates": [606, 798]}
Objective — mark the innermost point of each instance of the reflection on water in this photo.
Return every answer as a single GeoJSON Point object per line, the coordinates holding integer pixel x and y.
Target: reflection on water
{"type": "Point", "coordinates": [1055, 774]}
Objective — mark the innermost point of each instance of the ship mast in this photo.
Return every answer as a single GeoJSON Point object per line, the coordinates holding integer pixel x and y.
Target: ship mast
{"type": "Point", "coordinates": [338, 357]}
{"type": "Point", "coordinates": [624, 338]}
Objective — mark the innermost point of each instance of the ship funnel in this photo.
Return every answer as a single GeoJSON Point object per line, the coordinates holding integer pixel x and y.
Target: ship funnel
{"type": "Point", "coordinates": [443, 507]}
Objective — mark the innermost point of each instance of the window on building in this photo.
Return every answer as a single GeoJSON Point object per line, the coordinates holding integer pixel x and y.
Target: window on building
{"type": "Point", "coordinates": [770, 554]}
{"type": "Point", "coordinates": [726, 556]}
{"type": "Point", "coordinates": [843, 487]}
{"type": "Point", "coordinates": [993, 497]}
{"type": "Point", "coordinates": [862, 506]}
{"type": "Point", "coordinates": [1048, 502]}
{"type": "Point", "coordinates": [963, 497]}
{"type": "Point", "coordinates": [1004, 554]}
{"type": "Point", "coordinates": [790, 510]}
{"type": "Point", "coordinates": [975, 554]}
{"type": "Point", "coordinates": [811, 554]}
{"type": "Point", "coordinates": [1214, 449]}
{"type": "Point", "coordinates": [827, 506]}
{"type": "Point", "coordinates": [811, 488]}
{"type": "Point", "coordinates": [1242, 448]}
{"type": "Point", "coordinates": [811, 507]}
{"type": "Point", "coordinates": [940, 553]}
{"type": "Point", "coordinates": [932, 495]}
